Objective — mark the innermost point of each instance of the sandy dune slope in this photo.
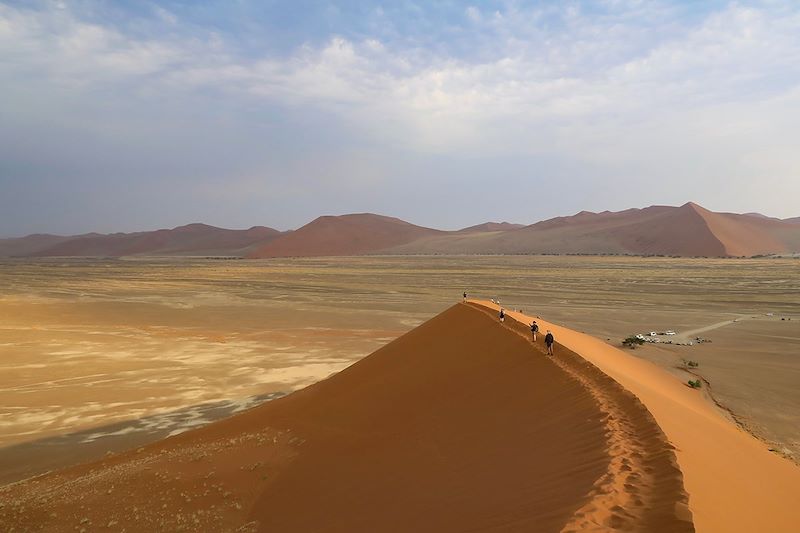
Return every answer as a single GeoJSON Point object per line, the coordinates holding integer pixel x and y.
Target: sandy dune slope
{"type": "Point", "coordinates": [459, 425]}
{"type": "Point", "coordinates": [26, 246]}
{"type": "Point", "coordinates": [344, 235]}
{"type": "Point", "coordinates": [491, 226]}
{"type": "Point", "coordinates": [735, 484]}
{"type": "Point", "coordinates": [689, 231]}
{"type": "Point", "coordinates": [192, 239]}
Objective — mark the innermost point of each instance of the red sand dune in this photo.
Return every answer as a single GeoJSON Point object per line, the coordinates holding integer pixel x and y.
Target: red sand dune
{"type": "Point", "coordinates": [741, 235]}
{"type": "Point", "coordinates": [734, 482]}
{"type": "Point", "coordinates": [689, 230]}
{"type": "Point", "coordinates": [759, 215]}
{"type": "Point", "coordinates": [344, 235]}
{"type": "Point", "coordinates": [192, 239]}
{"type": "Point", "coordinates": [26, 246]}
{"type": "Point", "coordinates": [459, 425]}
{"type": "Point", "coordinates": [491, 226]}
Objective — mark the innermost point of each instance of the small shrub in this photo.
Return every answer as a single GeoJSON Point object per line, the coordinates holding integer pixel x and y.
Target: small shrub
{"type": "Point", "coordinates": [632, 342]}
{"type": "Point", "coordinates": [688, 363]}
{"type": "Point", "coordinates": [695, 384]}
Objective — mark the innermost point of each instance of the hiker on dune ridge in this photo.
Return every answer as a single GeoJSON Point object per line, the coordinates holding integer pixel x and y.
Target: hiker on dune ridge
{"type": "Point", "coordinates": [549, 340]}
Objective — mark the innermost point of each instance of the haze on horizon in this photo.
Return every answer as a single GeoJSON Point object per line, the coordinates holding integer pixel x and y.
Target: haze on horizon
{"type": "Point", "coordinates": [126, 116]}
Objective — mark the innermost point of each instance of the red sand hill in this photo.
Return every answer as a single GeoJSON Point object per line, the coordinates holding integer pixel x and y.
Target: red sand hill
{"type": "Point", "coordinates": [192, 239]}
{"type": "Point", "coordinates": [491, 226]}
{"type": "Point", "coordinates": [742, 235]}
{"type": "Point", "coordinates": [459, 425]}
{"type": "Point", "coordinates": [26, 246]}
{"type": "Point", "coordinates": [689, 230]}
{"type": "Point", "coordinates": [344, 235]}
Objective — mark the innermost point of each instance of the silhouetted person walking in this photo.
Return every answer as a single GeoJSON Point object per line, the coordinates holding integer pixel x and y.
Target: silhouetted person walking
{"type": "Point", "coordinates": [549, 340]}
{"type": "Point", "coordinates": [465, 296]}
{"type": "Point", "coordinates": [534, 330]}
{"type": "Point", "coordinates": [502, 315]}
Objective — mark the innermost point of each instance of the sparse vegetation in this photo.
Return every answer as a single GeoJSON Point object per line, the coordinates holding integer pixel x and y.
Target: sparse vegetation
{"type": "Point", "coordinates": [695, 384]}
{"type": "Point", "coordinates": [688, 363]}
{"type": "Point", "coordinates": [632, 342]}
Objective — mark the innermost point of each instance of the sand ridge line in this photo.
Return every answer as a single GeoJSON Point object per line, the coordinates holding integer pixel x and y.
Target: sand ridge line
{"type": "Point", "coordinates": [735, 484]}
{"type": "Point", "coordinates": [707, 392]}
{"type": "Point", "coordinates": [642, 488]}
{"type": "Point", "coordinates": [413, 437]}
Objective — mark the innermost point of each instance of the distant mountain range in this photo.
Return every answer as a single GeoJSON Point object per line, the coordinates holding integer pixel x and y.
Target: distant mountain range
{"type": "Point", "coordinates": [189, 240]}
{"type": "Point", "coordinates": [687, 231]}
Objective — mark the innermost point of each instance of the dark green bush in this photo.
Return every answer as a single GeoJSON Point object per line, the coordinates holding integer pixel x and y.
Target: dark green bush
{"type": "Point", "coordinates": [632, 342]}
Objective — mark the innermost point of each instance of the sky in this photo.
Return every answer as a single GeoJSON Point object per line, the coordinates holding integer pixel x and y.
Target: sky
{"type": "Point", "coordinates": [137, 115]}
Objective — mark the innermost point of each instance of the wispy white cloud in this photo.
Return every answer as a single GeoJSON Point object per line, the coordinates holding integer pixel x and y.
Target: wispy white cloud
{"type": "Point", "coordinates": [633, 90]}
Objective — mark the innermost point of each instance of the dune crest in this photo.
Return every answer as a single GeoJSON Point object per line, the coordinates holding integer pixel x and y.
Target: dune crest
{"type": "Point", "coordinates": [459, 425]}
{"type": "Point", "coordinates": [490, 227]}
{"type": "Point", "coordinates": [735, 484]}
{"type": "Point", "coordinates": [344, 235]}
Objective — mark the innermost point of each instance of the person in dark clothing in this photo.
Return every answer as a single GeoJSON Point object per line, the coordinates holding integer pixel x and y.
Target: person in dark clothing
{"type": "Point", "coordinates": [502, 315]}
{"type": "Point", "coordinates": [534, 330]}
{"type": "Point", "coordinates": [465, 296]}
{"type": "Point", "coordinates": [549, 340]}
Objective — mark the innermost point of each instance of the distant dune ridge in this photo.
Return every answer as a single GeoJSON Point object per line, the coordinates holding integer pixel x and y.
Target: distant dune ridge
{"type": "Point", "coordinates": [491, 226]}
{"type": "Point", "coordinates": [687, 231]}
{"type": "Point", "coordinates": [344, 235]}
{"type": "Point", "coordinates": [192, 239]}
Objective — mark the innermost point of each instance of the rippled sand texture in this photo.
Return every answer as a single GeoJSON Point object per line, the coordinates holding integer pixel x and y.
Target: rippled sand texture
{"type": "Point", "coordinates": [90, 344]}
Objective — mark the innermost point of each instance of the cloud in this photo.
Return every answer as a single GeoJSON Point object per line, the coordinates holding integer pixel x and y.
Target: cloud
{"type": "Point", "coordinates": [54, 45]}
{"type": "Point", "coordinates": [620, 93]}
{"type": "Point", "coordinates": [598, 67]}
{"type": "Point", "coordinates": [599, 72]}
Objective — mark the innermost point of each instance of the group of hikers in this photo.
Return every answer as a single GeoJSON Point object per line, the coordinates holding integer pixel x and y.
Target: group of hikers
{"type": "Point", "coordinates": [549, 340]}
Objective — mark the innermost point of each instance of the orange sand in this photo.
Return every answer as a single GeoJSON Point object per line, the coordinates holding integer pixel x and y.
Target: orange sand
{"type": "Point", "coordinates": [735, 484]}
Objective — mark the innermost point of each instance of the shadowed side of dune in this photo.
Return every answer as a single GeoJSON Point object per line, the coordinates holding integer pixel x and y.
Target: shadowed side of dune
{"type": "Point", "coordinates": [456, 426]}
{"type": "Point", "coordinates": [642, 489]}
